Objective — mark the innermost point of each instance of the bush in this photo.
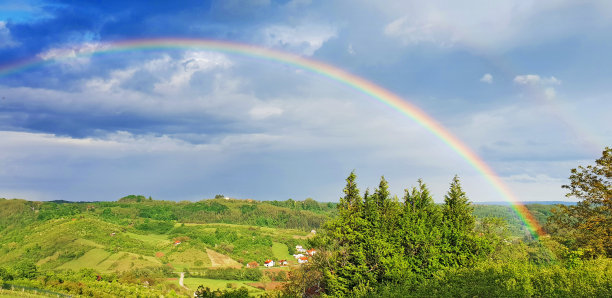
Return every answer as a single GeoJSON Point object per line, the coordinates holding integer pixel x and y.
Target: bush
{"type": "Point", "coordinates": [592, 279]}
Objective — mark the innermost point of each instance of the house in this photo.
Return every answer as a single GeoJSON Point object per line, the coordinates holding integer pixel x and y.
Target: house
{"type": "Point", "coordinates": [299, 248]}
{"type": "Point", "coordinates": [297, 256]}
{"type": "Point", "coordinates": [113, 234]}
{"type": "Point", "coordinates": [283, 263]}
{"type": "Point", "coordinates": [252, 265]}
{"type": "Point", "coordinates": [311, 252]}
{"type": "Point", "coordinates": [313, 231]}
{"type": "Point", "coordinates": [269, 263]}
{"type": "Point", "coordinates": [177, 242]}
{"type": "Point", "coordinates": [303, 260]}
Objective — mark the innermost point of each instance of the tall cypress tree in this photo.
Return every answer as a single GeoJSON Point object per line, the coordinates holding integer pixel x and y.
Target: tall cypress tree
{"type": "Point", "coordinates": [457, 210]}
{"type": "Point", "coordinates": [461, 246]}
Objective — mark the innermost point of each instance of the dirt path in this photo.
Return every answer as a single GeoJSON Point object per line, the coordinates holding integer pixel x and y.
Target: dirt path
{"type": "Point", "coordinates": [181, 281]}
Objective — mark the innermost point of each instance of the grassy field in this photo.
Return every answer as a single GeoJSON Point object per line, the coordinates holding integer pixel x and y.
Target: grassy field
{"type": "Point", "coordinates": [192, 283]}
{"type": "Point", "coordinates": [189, 258]}
{"type": "Point", "coordinates": [281, 252]}
{"type": "Point", "coordinates": [90, 259]}
{"type": "Point", "coordinates": [156, 240]}
{"type": "Point", "coordinates": [11, 294]}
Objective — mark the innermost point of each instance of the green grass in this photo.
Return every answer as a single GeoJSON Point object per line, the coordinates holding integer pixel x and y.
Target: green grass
{"type": "Point", "coordinates": [90, 259]}
{"type": "Point", "coordinates": [156, 240]}
{"type": "Point", "coordinates": [11, 294]}
{"type": "Point", "coordinates": [192, 283]}
{"type": "Point", "coordinates": [281, 251]}
{"type": "Point", "coordinates": [188, 259]}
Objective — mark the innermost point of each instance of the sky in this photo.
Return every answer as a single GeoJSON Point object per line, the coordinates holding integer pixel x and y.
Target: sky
{"type": "Point", "coordinates": [524, 84]}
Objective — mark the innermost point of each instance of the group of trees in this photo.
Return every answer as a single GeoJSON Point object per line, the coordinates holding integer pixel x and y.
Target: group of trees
{"type": "Point", "coordinates": [377, 239]}
{"type": "Point", "coordinates": [587, 225]}
{"type": "Point", "coordinates": [380, 245]}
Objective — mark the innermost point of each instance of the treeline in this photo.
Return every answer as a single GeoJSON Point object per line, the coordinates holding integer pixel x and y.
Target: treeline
{"type": "Point", "coordinates": [253, 274]}
{"type": "Point", "coordinates": [303, 215]}
{"type": "Point", "coordinates": [146, 282]}
{"type": "Point", "coordinates": [516, 226]}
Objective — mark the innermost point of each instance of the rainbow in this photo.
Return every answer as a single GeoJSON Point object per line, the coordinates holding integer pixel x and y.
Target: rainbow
{"type": "Point", "coordinates": [374, 91]}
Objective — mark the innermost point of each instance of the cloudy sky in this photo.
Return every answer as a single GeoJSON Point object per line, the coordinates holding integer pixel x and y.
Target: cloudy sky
{"type": "Point", "coordinates": [524, 84]}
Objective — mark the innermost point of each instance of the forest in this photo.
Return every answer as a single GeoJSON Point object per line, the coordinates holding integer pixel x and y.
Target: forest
{"type": "Point", "coordinates": [370, 243]}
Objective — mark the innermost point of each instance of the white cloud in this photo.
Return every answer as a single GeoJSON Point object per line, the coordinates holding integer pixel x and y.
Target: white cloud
{"type": "Point", "coordinates": [6, 40]}
{"type": "Point", "coordinates": [429, 30]}
{"type": "Point", "coordinates": [303, 39]}
{"type": "Point", "coordinates": [350, 50]}
{"type": "Point", "coordinates": [75, 56]}
{"type": "Point", "coordinates": [534, 79]}
{"type": "Point", "coordinates": [182, 71]}
{"type": "Point", "coordinates": [550, 93]}
{"type": "Point", "coordinates": [487, 78]}
{"type": "Point", "coordinates": [488, 25]}
{"type": "Point", "coordinates": [260, 113]}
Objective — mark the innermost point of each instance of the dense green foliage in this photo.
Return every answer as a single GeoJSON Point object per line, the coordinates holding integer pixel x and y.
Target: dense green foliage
{"type": "Point", "coordinates": [206, 292]}
{"type": "Point", "coordinates": [253, 274]}
{"type": "Point", "coordinates": [378, 240]}
{"type": "Point", "coordinates": [591, 279]}
{"type": "Point", "coordinates": [588, 225]}
{"type": "Point", "coordinates": [87, 282]}
{"type": "Point", "coordinates": [381, 246]}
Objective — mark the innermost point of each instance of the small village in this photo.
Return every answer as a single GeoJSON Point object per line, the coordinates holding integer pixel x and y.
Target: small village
{"type": "Point", "coordinates": [302, 257]}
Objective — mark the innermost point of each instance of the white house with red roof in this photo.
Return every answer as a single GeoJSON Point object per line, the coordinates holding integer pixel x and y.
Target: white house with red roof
{"type": "Point", "coordinates": [269, 263]}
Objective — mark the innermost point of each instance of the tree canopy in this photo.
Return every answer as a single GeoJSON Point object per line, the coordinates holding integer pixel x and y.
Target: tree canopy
{"type": "Point", "coordinates": [588, 224]}
{"type": "Point", "coordinates": [378, 239]}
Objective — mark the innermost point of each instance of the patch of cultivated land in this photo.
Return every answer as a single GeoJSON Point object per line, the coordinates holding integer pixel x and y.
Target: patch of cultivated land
{"type": "Point", "coordinates": [221, 260]}
{"type": "Point", "coordinates": [90, 259]}
{"type": "Point", "coordinates": [123, 261]}
{"type": "Point", "coordinates": [190, 258]}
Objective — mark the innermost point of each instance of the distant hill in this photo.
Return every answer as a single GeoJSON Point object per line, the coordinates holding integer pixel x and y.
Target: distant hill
{"type": "Point", "coordinates": [137, 232]}
{"type": "Point", "coordinates": [569, 203]}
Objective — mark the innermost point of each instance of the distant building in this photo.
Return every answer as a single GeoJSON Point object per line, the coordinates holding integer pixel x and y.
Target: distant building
{"type": "Point", "coordinates": [283, 263]}
{"type": "Point", "coordinates": [252, 265]}
{"type": "Point", "coordinates": [311, 252]}
{"type": "Point", "coordinates": [297, 256]}
{"type": "Point", "coordinates": [313, 231]}
{"type": "Point", "coordinates": [299, 248]}
{"type": "Point", "coordinates": [303, 260]}
{"type": "Point", "coordinates": [269, 263]}
{"type": "Point", "coordinates": [177, 242]}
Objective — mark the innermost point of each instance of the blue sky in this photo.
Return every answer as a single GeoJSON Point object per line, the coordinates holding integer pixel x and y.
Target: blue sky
{"type": "Point", "coordinates": [524, 84]}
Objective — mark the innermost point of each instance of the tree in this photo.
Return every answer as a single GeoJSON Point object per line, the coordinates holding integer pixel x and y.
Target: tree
{"type": "Point", "coordinates": [457, 210]}
{"type": "Point", "coordinates": [588, 225]}
{"type": "Point", "coordinates": [462, 247]}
